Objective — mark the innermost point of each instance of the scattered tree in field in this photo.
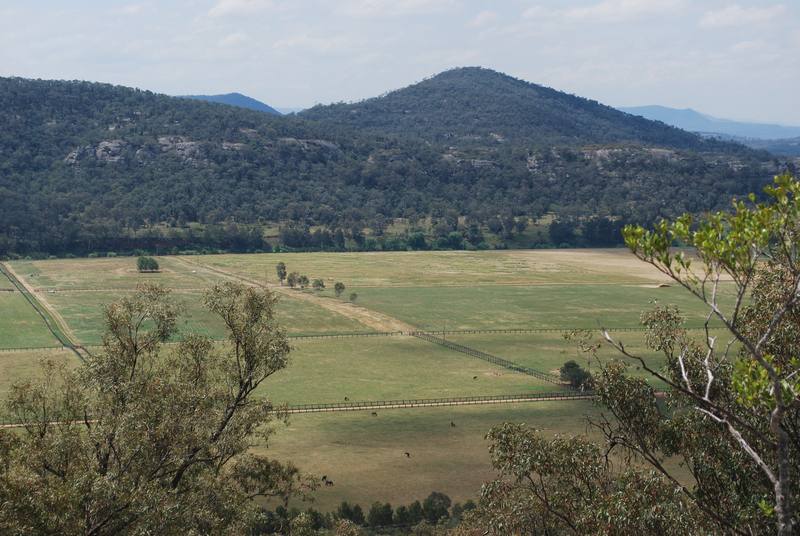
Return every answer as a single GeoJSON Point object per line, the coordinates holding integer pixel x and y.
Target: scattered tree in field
{"type": "Point", "coordinates": [303, 281]}
{"type": "Point", "coordinates": [293, 279]}
{"type": "Point", "coordinates": [146, 264]}
{"type": "Point", "coordinates": [280, 269]}
{"type": "Point", "coordinates": [731, 416]}
{"type": "Point", "coordinates": [142, 432]}
{"type": "Point", "coordinates": [575, 375]}
{"type": "Point", "coordinates": [338, 288]}
{"type": "Point", "coordinates": [353, 297]}
{"type": "Point", "coordinates": [318, 285]}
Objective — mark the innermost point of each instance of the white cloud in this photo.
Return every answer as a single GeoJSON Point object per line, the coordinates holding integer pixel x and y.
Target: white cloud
{"type": "Point", "coordinates": [239, 7]}
{"type": "Point", "coordinates": [131, 9]}
{"type": "Point", "coordinates": [606, 11]}
{"type": "Point", "coordinates": [482, 19]}
{"type": "Point", "coordinates": [313, 43]}
{"type": "Point", "coordinates": [372, 8]}
{"type": "Point", "coordinates": [234, 39]}
{"type": "Point", "coordinates": [737, 15]}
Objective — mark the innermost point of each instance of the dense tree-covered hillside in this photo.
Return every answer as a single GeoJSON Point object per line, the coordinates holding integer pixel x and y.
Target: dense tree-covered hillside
{"type": "Point", "coordinates": [473, 105]}
{"type": "Point", "coordinates": [92, 167]}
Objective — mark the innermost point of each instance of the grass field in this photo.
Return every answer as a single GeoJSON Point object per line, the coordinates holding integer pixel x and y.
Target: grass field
{"type": "Point", "coordinates": [20, 325]}
{"type": "Point", "coordinates": [109, 274]}
{"type": "Point", "coordinates": [448, 268]}
{"type": "Point", "coordinates": [505, 307]}
{"type": "Point", "coordinates": [83, 311]}
{"type": "Point", "coordinates": [364, 457]}
{"type": "Point", "coordinates": [20, 366]}
{"type": "Point", "coordinates": [388, 368]}
{"type": "Point", "coordinates": [363, 454]}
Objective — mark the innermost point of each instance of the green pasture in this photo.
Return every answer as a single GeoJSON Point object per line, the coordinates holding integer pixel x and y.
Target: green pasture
{"type": "Point", "coordinates": [388, 368]}
{"type": "Point", "coordinates": [364, 455]}
{"type": "Point", "coordinates": [549, 351]}
{"type": "Point", "coordinates": [20, 325]}
{"type": "Point", "coordinates": [523, 307]}
{"type": "Point", "coordinates": [20, 366]}
{"type": "Point", "coordinates": [109, 274]}
{"type": "Point", "coordinates": [446, 268]}
{"type": "Point", "coordinates": [83, 312]}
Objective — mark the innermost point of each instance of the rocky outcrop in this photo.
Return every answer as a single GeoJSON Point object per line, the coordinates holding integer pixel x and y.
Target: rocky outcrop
{"type": "Point", "coordinates": [76, 155]}
{"type": "Point", "coordinates": [110, 150]}
{"type": "Point", "coordinates": [182, 147]}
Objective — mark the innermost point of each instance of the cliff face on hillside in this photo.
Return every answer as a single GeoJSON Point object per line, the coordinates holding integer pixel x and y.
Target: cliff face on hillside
{"type": "Point", "coordinates": [80, 161]}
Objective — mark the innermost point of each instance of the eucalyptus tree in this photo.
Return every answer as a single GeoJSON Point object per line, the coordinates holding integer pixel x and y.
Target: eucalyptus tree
{"type": "Point", "coordinates": [151, 439]}
{"type": "Point", "coordinates": [730, 415]}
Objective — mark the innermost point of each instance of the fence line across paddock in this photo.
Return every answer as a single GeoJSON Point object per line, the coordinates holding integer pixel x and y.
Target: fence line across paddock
{"type": "Point", "coordinates": [505, 363]}
{"type": "Point", "coordinates": [6, 422]}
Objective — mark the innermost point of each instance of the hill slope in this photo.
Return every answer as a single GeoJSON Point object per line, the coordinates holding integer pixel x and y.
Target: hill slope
{"type": "Point", "coordinates": [471, 104]}
{"type": "Point", "coordinates": [694, 121]}
{"type": "Point", "coordinates": [236, 99]}
{"type": "Point", "coordinates": [93, 167]}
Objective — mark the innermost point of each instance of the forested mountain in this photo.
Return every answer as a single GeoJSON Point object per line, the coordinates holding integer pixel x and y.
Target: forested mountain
{"type": "Point", "coordinates": [88, 167]}
{"type": "Point", "coordinates": [236, 99]}
{"type": "Point", "coordinates": [472, 105]}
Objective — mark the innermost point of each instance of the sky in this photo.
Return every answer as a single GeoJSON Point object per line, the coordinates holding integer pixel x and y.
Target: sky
{"type": "Point", "coordinates": [736, 60]}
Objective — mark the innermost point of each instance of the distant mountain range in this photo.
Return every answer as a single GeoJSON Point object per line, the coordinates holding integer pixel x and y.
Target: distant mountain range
{"type": "Point", "coordinates": [236, 99]}
{"type": "Point", "coordinates": [93, 167]}
{"type": "Point", "coordinates": [779, 139]}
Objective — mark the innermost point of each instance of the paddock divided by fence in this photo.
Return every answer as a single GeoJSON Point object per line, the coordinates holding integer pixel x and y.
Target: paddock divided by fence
{"type": "Point", "coordinates": [45, 316]}
{"type": "Point", "coordinates": [552, 378]}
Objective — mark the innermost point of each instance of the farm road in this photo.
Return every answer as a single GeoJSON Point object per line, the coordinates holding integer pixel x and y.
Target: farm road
{"type": "Point", "coordinates": [367, 317]}
{"type": "Point", "coordinates": [38, 296]}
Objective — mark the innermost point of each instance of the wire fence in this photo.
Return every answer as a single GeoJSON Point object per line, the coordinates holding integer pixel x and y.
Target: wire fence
{"type": "Point", "coordinates": [551, 378]}
{"type": "Point", "coordinates": [6, 421]}
{"type": "Point", "coordinates": [45, 316]}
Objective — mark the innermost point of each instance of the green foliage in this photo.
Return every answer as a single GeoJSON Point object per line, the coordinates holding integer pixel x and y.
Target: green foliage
{"type": "Point", "coordinates": [436, 506]}
{"type": "Point", "coordinates": [353, 297]}
{"type": "Point", "coordinates": [338, 288]}
{"type": "Point", "coordinates": [318, 285]}
{"type": "Point", "coordinates": [575, 375]}
{"type": "Point", "coordinates": [140, 430]}
{"type": "Point", "coordinates": [174, 163]}
{"type": "Point", "coordinates": [280, 270]}
{"type": "Point", "coordinates": [380, 515]}
{"type": "Point", "coordinates": [146, 264]}
{"type": "Point", "coordinates": [730, 419]}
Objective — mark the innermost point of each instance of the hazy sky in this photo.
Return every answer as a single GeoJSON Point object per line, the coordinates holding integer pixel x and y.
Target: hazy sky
{"type": "Point", "coordinates": [738, 60]}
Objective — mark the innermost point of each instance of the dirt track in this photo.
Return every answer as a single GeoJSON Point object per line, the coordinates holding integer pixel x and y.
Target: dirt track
{"type": "Point", "coordinates": [59, 320]}
{"type": "Point", "coordinates": [366, 317]}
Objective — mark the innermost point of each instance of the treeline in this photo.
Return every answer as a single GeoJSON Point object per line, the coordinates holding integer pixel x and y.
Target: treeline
{"type": "Point", "coordinates": [382, 518]}
{"type": "Point", "coordinates": [96, 168]}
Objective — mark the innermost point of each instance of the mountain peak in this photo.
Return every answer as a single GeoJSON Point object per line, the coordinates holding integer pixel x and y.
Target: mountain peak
{"type": "Point", "coordinates": [467, 103]}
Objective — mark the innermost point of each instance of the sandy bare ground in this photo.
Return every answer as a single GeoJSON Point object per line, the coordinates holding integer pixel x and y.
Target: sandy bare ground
{"type": "Point", "coordinates": [367, 317]}
{"type": "Point", "coordinates": [65, 329]}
